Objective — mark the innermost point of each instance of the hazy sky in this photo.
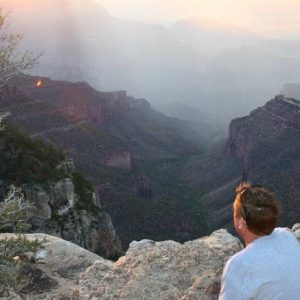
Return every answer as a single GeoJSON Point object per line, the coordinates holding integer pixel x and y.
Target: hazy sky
{"type": "Point", "coordinates": [276, 18]}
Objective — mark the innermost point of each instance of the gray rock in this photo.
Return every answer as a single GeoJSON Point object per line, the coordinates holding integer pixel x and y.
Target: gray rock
{"type": "Point", "coordinates": [297, 234]}
{"type": "Point", "coordinates": [64, 193]}
{"type": "Point", "coordinates": [296, 227]}
{"type": "Point", "coordinates": [41, 201]}
{"type": "Point", "coordinates": [67, 166]}
{"type": "Point", "coordinates": [57, 214]}
{"type": "Point", "coordinates": [162, 270]}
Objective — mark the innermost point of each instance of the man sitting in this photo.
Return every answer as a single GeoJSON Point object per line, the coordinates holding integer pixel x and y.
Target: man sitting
{"type": "Point", "coordinates": [268, 268]}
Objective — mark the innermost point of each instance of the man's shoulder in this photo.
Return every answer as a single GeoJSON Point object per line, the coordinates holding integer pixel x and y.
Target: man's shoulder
{"type": "Point", "coordinates": [261, 247]}
{"type": "Point", "coordinates": [285, 235]}
{"type": "Point", "coordinates": [283, 231]}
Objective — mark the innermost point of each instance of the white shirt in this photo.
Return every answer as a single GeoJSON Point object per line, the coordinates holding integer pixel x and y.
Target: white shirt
{"type": "Point", "coordinates": [267, 269]}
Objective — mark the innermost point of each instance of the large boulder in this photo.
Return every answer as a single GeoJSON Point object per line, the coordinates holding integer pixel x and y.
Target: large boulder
{"type": "Point", "coordinates": [162, 270]}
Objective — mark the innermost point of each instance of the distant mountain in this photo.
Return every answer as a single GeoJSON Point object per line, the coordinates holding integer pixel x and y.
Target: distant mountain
{"type": "Point", "coordinates": [109, 53]}
{"type": "Point", "coordinates": [210, 37]}
{"type": "Point", "coordinates": [245, 77]}
{"type": "Point", "coordinates": [136, 127]}
{"type": "Point", "coordinates": [200, 63]}
{"type": "Point", "coordinates": [211, 127]}
{"type": "Point", "coordinates": [287, 48]}
{"type": "Point", "coordinates": [129, 151]}
{"type": "Point", "coordinates": [264, 148]}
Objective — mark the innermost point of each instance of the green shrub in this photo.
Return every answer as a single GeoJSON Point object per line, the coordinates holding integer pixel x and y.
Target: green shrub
{"type": "Point", "coordinates": [24, 160]}
{"type": "Point", "coordinates": [84, 190]}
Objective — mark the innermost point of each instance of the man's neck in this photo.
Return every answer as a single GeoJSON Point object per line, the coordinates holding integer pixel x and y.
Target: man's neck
{"type": "Point", "coordinates": [250, 237]}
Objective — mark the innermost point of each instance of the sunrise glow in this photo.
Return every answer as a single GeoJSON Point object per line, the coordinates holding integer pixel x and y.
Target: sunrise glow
{"type": "Point", "coordinates": [278, 18]}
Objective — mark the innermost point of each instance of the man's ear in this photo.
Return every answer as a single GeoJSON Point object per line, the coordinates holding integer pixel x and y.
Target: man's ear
{"type": "Point", "coordinates": [241, 223]}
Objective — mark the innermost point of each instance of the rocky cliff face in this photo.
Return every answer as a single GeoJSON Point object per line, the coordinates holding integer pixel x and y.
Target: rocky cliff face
{"type": "Point", "coordinates": [79, 101]}
{"type": "Point", "coordinates": [58, 212]}
{"type": "Point", "coordinates": [251, 135]}
{"type": "Point", "coordinates": [267, 143]}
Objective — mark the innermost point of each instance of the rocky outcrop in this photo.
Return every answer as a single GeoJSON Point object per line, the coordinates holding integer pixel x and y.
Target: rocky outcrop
{"type": "Point", "coordinates": [149, 270]}
{"type": "Point", "coordinates": [60, 213]}
{"type": "Point", "coordinates": [162, 270]}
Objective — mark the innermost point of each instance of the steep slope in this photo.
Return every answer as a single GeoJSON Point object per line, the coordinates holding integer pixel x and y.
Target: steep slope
{"type": "Point", "coordinates": [128, 150]}
{"type": "Point", "coordinates": [66, 203]}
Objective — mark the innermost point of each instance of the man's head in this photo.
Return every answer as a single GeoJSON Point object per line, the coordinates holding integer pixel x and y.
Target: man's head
{"type": "Point", "coordinates": [256, 210]}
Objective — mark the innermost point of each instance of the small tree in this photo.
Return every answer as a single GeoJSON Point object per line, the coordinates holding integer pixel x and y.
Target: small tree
{"type": "Point", "coordinates": [15, 212]}
{"type": "Point", "coordinates": [16, 251]}
{"type": "Point", "coordinates": [12, 61]}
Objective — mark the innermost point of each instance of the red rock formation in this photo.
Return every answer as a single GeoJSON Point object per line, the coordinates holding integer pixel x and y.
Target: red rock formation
{"type": "Point", "coordinates": [79, 100]}
{"type": "Point", "coordinates": [250, 135]}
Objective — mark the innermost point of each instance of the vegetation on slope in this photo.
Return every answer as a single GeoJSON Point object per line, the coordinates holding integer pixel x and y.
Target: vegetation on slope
{"type": "Point", "coordinates": [24, 160]}
{"type": "Point", "coordinates": [152, 202]}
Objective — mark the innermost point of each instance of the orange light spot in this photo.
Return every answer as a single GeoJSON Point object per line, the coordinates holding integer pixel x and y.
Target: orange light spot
{"type": "Point", "coordinates": [39, 83]}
